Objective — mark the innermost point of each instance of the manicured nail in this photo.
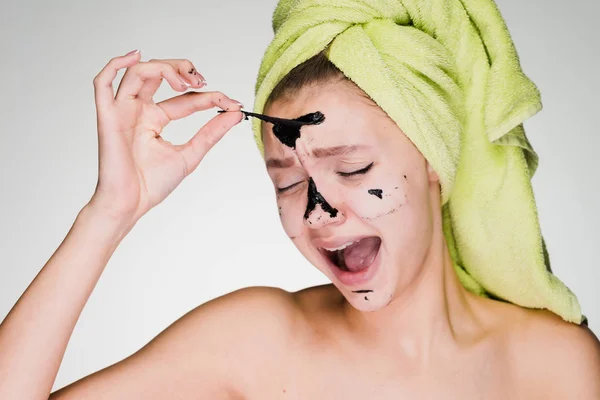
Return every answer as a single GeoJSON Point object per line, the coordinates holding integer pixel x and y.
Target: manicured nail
{"type": "Point", "coordinates": [132, 52]}
{"type": "Point", "coordinates": [187, 85]}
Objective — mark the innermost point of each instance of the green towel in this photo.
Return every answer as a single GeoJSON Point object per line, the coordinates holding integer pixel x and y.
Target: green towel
{"type": "Point", "coordinates": [447, 72]}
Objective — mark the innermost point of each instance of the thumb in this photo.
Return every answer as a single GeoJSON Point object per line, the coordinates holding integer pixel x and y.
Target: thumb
{"type": "Point", "coordinates": [194, 150]}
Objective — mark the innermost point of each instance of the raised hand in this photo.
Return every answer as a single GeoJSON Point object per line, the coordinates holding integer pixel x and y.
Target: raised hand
{"type": "Point", "coordinates": [138, 168]}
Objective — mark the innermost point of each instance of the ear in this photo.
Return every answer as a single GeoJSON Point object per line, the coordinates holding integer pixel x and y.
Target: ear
{"type": "Point", "coordinates": [433, 176]}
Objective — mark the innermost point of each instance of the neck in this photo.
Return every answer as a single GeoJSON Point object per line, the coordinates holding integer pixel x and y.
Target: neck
{"type": "Point", "coordinates": [431, 312]}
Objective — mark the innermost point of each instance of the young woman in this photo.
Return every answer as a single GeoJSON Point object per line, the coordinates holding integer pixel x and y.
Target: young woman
{"type": "Point", "coordinates": [362, 204]}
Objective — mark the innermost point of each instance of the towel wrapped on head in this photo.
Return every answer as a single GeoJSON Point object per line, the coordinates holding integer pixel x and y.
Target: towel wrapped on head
{"type": "Point", "coordinates": [447, 72]}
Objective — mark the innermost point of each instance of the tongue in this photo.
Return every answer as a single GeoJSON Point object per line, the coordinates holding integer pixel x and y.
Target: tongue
{"type": "Point", "coordinates": [361, 255]}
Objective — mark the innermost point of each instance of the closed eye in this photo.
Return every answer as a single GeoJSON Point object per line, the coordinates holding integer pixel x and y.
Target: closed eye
{"type": "Point", "coordinates": [361, 171]}
{"type": "Point", "coordinates": [284, 189]}
{"type": "Point", "coordinates": [357, 172]}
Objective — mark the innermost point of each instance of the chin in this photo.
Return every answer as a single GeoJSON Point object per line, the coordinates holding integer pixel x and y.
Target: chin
{"type": "Point", "coordinates": [369, 302]}
{"type": "Point", "coordinates": [368, 289]}
{"type": "Point", "coordinates": [373, 293]}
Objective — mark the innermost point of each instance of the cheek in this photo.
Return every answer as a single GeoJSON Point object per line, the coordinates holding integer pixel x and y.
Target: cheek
{"type": "Point", "coordinates": [377, 197]}
{"type": "Point", "coordinates": [291, 213]}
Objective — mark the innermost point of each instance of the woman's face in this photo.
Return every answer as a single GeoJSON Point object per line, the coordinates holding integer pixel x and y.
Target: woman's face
{"type": "Point", "coordinates": [354, 183]}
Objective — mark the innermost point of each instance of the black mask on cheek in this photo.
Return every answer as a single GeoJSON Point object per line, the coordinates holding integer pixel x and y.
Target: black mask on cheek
{"type": "Point", "coordinates": [376, 192]}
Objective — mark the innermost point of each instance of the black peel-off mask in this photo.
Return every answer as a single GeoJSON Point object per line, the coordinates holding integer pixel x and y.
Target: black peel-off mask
{"type": "Point", "coordinates": [288, 131]}
{"type": "Point", "coordinates": [363, 291]}
{"type": "Point", "coordinates": [376, 192]}
{"type": "Point", "coordinates": [314, 198]}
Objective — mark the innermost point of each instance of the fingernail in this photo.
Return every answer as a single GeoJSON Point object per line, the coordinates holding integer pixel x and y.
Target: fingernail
{"type": "Point", "coordinates": [238, 103]}
{"type": "Point", "coordinates": [132, 52]}
{"type": "Point", "coordinates": [183, 81]}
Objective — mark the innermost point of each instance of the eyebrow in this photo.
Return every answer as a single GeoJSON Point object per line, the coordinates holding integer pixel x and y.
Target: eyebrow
{"type": "Point", "coordinates": [322, 152]}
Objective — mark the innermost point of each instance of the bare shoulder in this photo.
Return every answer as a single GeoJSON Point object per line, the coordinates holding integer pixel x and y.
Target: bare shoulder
{"type": "Point", "coordinates": [250, 328]}
{"type": "Point", "coordinates": [273, 308]}
{"type": "Point", "coordinates": [554, 358]}
{"type": "Point", "coordinates": [214, 351]}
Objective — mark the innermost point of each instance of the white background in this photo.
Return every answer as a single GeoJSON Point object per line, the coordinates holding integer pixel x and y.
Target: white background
{"type": "Point", "coordinates": [219, 231]}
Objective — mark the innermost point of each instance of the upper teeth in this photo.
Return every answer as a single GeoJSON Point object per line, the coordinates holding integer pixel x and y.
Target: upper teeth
{"type": "Point", "coordinates": [339, 248]}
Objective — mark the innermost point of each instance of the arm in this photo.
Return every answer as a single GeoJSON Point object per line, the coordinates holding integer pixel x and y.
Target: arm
{"type": "Point", "coordinates": [42, 320]}
{"type": "Point", "coordinates": [137, 170]}
{"type": "Point", "coordinates": [204, 354]}
{"type": "Point", "coordinates": [223, 349]}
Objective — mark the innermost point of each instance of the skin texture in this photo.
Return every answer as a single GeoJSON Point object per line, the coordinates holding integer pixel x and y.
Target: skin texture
{"type": "Point", "coordinates": [420, 329]}
{"type": "Point", "coordinates": [421, 335]}
{"type": "Point", "coordinates": [409, 187]}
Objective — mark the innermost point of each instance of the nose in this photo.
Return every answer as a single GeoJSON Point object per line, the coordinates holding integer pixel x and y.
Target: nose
{"type": "Point", "coordinates": [319, 212]}
{"type": "Point", "coordinates": [318, 218]}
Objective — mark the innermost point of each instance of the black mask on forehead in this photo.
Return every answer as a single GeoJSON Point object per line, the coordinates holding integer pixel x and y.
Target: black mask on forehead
{"type": "Point", "coordinates": [288, 131]}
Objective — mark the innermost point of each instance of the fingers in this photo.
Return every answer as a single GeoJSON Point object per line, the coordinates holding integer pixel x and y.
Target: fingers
{"type": "Point", "coordinates": [142, 79]}
{"type": "Point", "coordinates": [103, 89]}
{"type": "Point", "coordinates": [185, 70]}
{"type": "Point", "coordinates": [188, 103]}
{"type": "Point", "coordinates": [196, 148]}
{"type": "Point", "coordinates": [136, 76]}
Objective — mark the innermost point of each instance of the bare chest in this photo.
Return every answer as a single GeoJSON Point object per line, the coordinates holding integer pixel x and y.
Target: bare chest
{"type": "Point", "coordinates": [325, 375]}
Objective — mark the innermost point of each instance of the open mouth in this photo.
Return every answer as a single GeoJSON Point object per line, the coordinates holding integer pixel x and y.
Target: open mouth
{"type": "Point", "coordinates": [354, 256]}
